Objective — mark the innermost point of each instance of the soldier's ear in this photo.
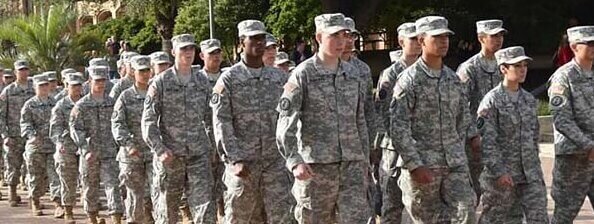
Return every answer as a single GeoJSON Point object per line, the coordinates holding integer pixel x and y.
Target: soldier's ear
{"type": "Point", "coordinates": [201, 56]}
{"type": "Point", "coordinates": [573, 47]}
{"type": "Point", "coordinates": [319, 38]}
{"type": "Point", "coordinates": [401, 42]}
{"type": "Point", "coordinates": [173, 52]}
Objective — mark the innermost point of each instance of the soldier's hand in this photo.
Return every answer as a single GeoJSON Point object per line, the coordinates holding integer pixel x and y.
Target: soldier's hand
{"type": "Point", "coordinates": [241, 170]}
{"type": "Point", "coordinates": [166, 157]}
{"type": "Point", "coordinates": [422, 175]}
{"type": "Point", "coordinates": [9, 141]}
{"type": "Point", "coordinates": [134, 152]}
{"type": "Point", "coordinates": [89, 156]}
{"type": "Point", "coordinates": [303, 172]}
{"type": "Point", "coordinates": [505, 181]}
{"type": "Point", "coordinates": [61, 149]}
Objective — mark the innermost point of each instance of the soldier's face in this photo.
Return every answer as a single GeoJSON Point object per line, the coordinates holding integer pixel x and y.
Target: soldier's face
{"type": "Point", "coordinates": [99, 85]}
{"type": "Point", "coordinates": [584, 51]}
{"type": "Point", "coordinates": [284, 67]}
{"type": "Point", "coordinates": [185, 55]}
{"type": "Point", "coordinates": [212, 59]}
{"type": "Point", "coordinates": [492, 43]}
{"type": "Point", "coordinates": [129, 70]}
{"type": "Point", "coordinates": [269, 55]}
{"type": "Point", "coordinates": [410, 46]}
{"type": "Point", "coordinates": [515, 72]}
{"type": "Point", "coordinates": [22, 74]}
{"type": "Point", "coordinates": [332, 44]}
{"type": "Point", "coordinates": [75, 90]}
{"type": "Point", "coordinates": [8, 79]}
{"type": "Point", "coordinates": [142, 76]}
{"type": "Point", "coordinates": [350, 42]}
{"type": "Point", "coordinates": [53, 84]}
{"type": "Point", "coordinates": [255, 45]}
{"type": "Point", "coordinates": [157, 69]}
{"type": "Point", "coordinates": [435, 45]}
{"type": "Point", "coordinates": [43, 89]}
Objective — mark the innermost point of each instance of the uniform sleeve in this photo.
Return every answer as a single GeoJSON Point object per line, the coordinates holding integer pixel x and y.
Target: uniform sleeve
{"type": "Point", "coordinates": [119, 126]}
{"type": "Point", "coordinates": [289, 109]}
{"type": "Point", "coordinates": [466, 120]}
{"type": "Point", "coordinates": [370, 114]}
{"type": "Point", "coordinates": [115, 91]}
{"type": "Point", "coordinates": [150, 118]}
{"type": "Point", "coordinates": [223, 129]}
{"type": "Point", "coordinates": [363, 117]}
{"type": "Point", "coordinates": [401, 110]}
{"type": "Point", "coordinates": [472, 94]}
{"type": "Point", "coordinates": [57, 130]}
{"type": "Point", "coordinates": [78, 131]}
{"type": "Point", "coordinates": [487, 124]}
{"type": "Point", "coordinates": [26, 122]}
{"type": "Point", "coordinates": [4, 113]}
{"type": "Point", "coordinates": [563, 117]}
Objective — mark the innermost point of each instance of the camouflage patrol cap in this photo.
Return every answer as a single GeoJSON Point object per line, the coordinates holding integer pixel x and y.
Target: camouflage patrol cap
{"type": "Point", "coordinates": [8, 72]}
{"type": "Point", "coordinates": [407, 30]}
{"type": "Point", "coordinates": [98, 62]}
{"type": "Point", "coordinates": [183, 40]}
{"type": "Point", "coordinates": [580, 34]}
{"type": "Point", "coordinates": [350, 23]}
{"type": "Point", "coordinates": [281, 58]}
{"type": "Point", "coordinates": [67, 71]}
{"type": "Point", "coordinates": [51, 75]}
{"type": "Point", "coordinates": [511, 55]}
{"type": "Point", "coordinates": [125, 57]}
{"type": "Point", "coordinates": [490, 27]}
{"type": "Point", "coordinates": [40, 79]}
{"type": "Point", "coordinates": [20, 64]}
{"type": "Point", "coordinates": [75, 78]}
{"type": "Point", "coordinates": [160, 57]}
{"type": "Point", "coordinates": [330, 23]}
{"type": "Point", "coordinates": [433, 26]}
{"type": "Point", "coordinates": [210, 45]}
{"type": "Point", "coordinates": [98, 72]}
{"type": "Point", "coordinates": [141, 62]}
{"type": "Point", "coordinates": [250, 28]}
{"type": "Point", "coordinates": [271, 40]}
{"type": "Point", "coordinates": [395, 55]}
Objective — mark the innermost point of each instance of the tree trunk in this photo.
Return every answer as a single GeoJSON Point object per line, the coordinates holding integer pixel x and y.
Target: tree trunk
{"type": "Point", "coordinates": [165, 15]}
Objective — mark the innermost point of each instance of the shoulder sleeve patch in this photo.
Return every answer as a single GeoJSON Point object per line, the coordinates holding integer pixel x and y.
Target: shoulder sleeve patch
{"type": "Point", "coordinates": [218, 88]}
{"type": "Point", "coordinates": [289, 87]}
{"type": "Point", "coordinates": [557, 89]}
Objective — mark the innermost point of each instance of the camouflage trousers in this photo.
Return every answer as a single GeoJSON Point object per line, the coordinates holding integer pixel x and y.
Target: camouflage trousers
{"type": "Point", "coordinates": [392, 206]}
{"type": "Point", "coordinates": [448, 199]}
{"type": "Point", "coordinates": [104, 171]}
{"type": "Point", "coordinates": [476, 168]}
{"type": "Point", "coordinates": [67, 170]}
{"type": "Point", "coordinates": [13, 161]}
{"type": "Point", "coordinates": [262, 197]}
{"type": "Point", "coordinates": [573, 179]}
{"type": "Point", "coordinates": [190, 174]}
{"type": "Point", "coordinates": [501, 205]}
{"type": "Point", "coordinates": [218, 170]}
{"type": "Point", "coordinates": [41, 174]}
{"type": "Point", "coordinates": [137, 177]}
{"type": "Point", "coordinates": [335, 187]}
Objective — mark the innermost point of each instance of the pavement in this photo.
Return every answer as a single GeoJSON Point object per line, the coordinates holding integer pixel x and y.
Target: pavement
{"type": "Point", "coordinates": [21, 214]}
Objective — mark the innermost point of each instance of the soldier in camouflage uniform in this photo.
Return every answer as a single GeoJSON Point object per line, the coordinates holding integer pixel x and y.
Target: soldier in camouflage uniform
{"type": "Point", "coordinates": [282, 62]}
{"type": "Point", "coordinates": [211, 54]}
{"type": "Point", "coordinates": [481, 74]}
{"type": "Point", "coordinates": [12, 99]}
{"type": "Point", "coordinates": [322, 133]}
{"type": "Point", "coordinates": [429, 124]}
{"type": "Point", "coordinates": [244, 119]}
{"type": "Point", "coordinates": [94, 62]}
{"type": "Point", "coordinates": [53, 81]}
{"type": "Point", "coordinates": [571, 97]}
{"type": "Point", "coordinates": [92, 134]}
{"type": "Point", "coordinates": [160, 62]}
{"type": "Point", "coordinates": [39, 149]}
{"type": "Point", "coordinates": [64, 92]}
{"type": "Point", "coordinates": [126, 81]}
{"type": "Point", "coordinates": [135, 158]}
{"type": "Point", "coordinates": [270, 51]}
{"type": "Point", "coordinates": [512, 182]}
{"type": "Point", "coordinates": [66, 155]}
{"type": "Point", "coordinates": [389, 172]}
{"type": "Point", "coordinates": [173, 126]}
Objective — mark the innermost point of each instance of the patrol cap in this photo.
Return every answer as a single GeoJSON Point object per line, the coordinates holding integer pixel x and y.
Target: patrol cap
{"type": "Point", "coordinates": [51, 75]}
{"type": "Point", "coordinates": [350, 23]}
{"type": "Point", "coordinates": [141, 62]}
{"type": "Point", "coordinates": [160, 57]}
{"type": "Point", "coordinates": [20, 64]}
{"type": "Point", "coordinates": [331, 23]}
{"type": "Point", "coordinates": [281, 58]}
{"type": "Point", "coordinates": [433, 26]}
{"type": "Point", "coordinates": [67, 71]}
{"type": "Point", "coordinates": [407, 30]}
{"type": "Point", "coordinates": [511, 55]}
{"type": "Point", "coordinates": [580, 34]}
{"type": "Point", "coordinates": [8, 73]}
{"type": "Point", "coordinates": [210, 45]}
{"type": "Point", "coordinates": [395, 55]}
{"type": "Point", "coordinates": [490, 27]}
{"type": "Point", "coordinates": [98, 72]}
{"type": "Point", "coordinates": [125, 57]}
{"type": "Point", "coordinates": [75, 78]}
{"type": "Point", "coordinates": [250, 28]}
{"type": "Point", "coordinates": [270, 40]}
{"type": "Point", "coordinates": [40, 79]}
{"type": "Point", "coordinates": [183, 40]}
{"type": "Point", "coordinates": [98, 62]}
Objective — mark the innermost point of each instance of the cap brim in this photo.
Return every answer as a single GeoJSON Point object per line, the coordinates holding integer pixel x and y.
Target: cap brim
{"type": "Point", "coordinates": [161, 62]}
{"type": "Point", "coordinates": [52, 80]}
{"type": "Point", "coordinates": [495, 31]}
{"type": "Point", "coordinates": [439, 32]}
{"type": "Point", "coordinates": [41, 83]}
{"type": "Point", "coordinates": [184, 44]}
{"type": "Point", "coordinates": [98, 77]}
{"type": "Point", "coordinates": [253, 33]}
{"type": "Point", "coordinates": [583, 40]}
{"type": "Point", "coordinates": [74, 83]}
{"type": "Point", "coordinates": [335, 29]}
{"type": "Point", "coordinates": [409, 35]}
{"type": "Point", "coordinates": [8, 75]}
{"type": "Point", "coordinates": [210, 50]}
{"type": "Point", "coordinates": [142, 67]}
{"type": "Point", "coordinates": [268, 44]}
{"type": "Point", "coordinates": [516, 60]}
{"type": "Point", "coordinates": [21, 67]}
{"type": "Point", "coordinates": [279, 62]}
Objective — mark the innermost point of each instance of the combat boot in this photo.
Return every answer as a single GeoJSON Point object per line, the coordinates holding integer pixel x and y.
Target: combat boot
{"type": "Point", "coordinates": [13, 198]}
{"type": "Point", "coordinates": [92, 218]}
{"type": "Point", "coordinates": [35, 207]}
{"type": "Point", "coordinates": [116, 218]}
{"type": "Point", "coordinates": [59, 212]}
{"type": "Point", "coordinates": [68, 216]}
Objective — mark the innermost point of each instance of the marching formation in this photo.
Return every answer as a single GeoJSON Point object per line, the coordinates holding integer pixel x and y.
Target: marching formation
{"type": "Point", "coordinates": [268, 141]}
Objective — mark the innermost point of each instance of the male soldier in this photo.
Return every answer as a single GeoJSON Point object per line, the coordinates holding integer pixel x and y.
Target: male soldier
{"type": "Point", "coordinates": [64, 92]}
{"type": "Point", "coordinates": [322, 132]}
{"type": "Point", "coordinates": [66, 151]}
{"type": "Point", "coordinates": [211, 54]}
{"type": "Point", "coordinates": [135, 158]}
{"type": "Point", "coordinates": [173, 126]}
{"type": "Point", "coordinates": [12, 99]}
{"type": "Point", "coordinates": [53, 83]}
{"type": "Point", "coordinates": [93, 136]}
{"type": "Point", "coordinates": [244, 119]}
{"type": "Point", "coordinates": [480, 74]}
{"type": "Point", "coordinates": [282, 62]}
{"type": "Point", "coordinates": [270, 51]}
{"type": "Point", "coordinates": [94, 62]}
{"type": "Point", "coordinates": [126, 81]}
{"type": "Point", "coordinates": [160, 62]}
{"type": "Point", "coordinates": [39, 149]}
{"type": "Point", "coordinates": [429, 122]}
{"type": "Point", "coordinates": [7, 77]}
{"type": "Point", "coordinates": [392, 206]}
{"type": "Point", "coordinates": [571, 96]}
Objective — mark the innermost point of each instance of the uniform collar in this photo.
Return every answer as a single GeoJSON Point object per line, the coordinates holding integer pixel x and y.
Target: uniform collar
{"type": "Point", "coordinates": [324, 71]}
{"type": "Point", "coordinates": [427, 70]}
